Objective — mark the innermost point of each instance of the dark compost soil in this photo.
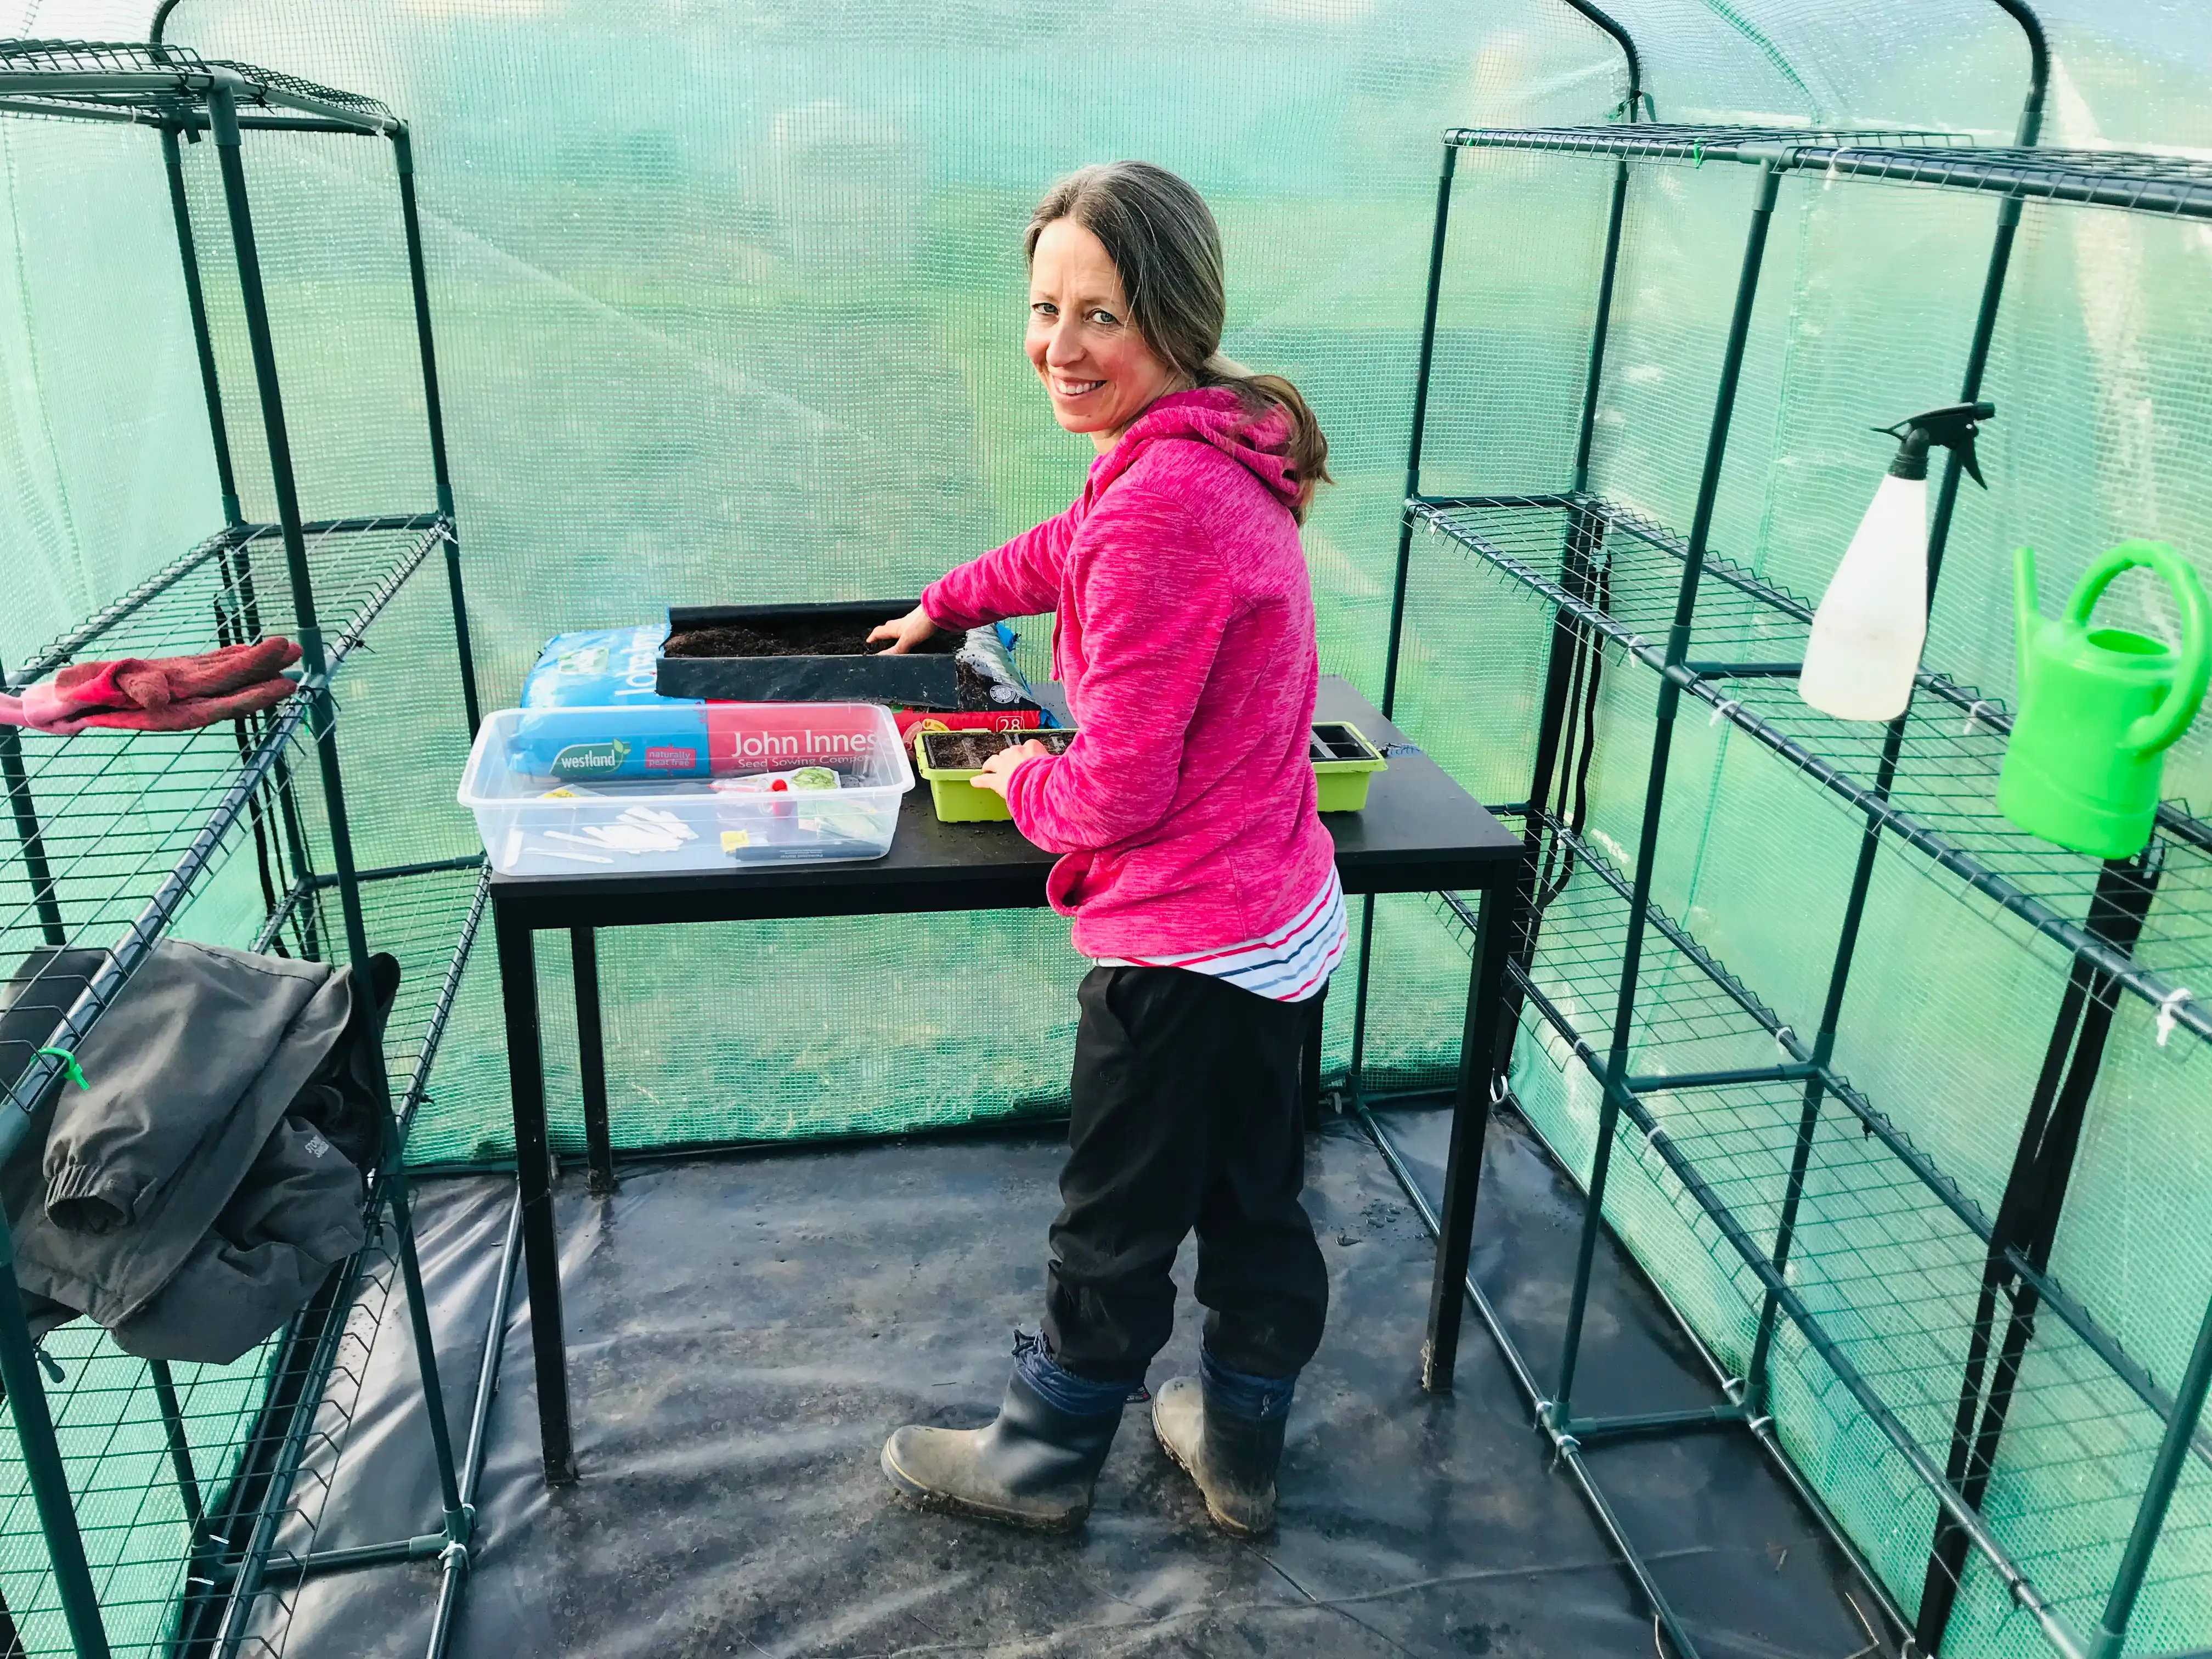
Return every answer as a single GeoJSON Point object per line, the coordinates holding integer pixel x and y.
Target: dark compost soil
{"type": "Point", "coordinates": [948, 749]}
{"type": "Point", "coordinates": [799, 637]}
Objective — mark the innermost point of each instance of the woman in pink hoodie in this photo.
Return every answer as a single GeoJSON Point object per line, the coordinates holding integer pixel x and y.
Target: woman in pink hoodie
{"type": "Point", "coordinates": [1199, 878]}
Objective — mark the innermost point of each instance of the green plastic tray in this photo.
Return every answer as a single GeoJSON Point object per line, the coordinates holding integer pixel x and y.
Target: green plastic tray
{"type": "Point", "coordinates": [1351, 761]}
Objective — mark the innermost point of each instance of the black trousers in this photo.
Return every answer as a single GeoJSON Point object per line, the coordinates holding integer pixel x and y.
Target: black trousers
{"type": "Point", "coordinates": [1185, 1114]}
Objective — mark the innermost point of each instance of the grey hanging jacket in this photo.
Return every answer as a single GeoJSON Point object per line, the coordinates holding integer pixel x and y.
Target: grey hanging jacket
{"type": "Point", "coordinates": [174, 1202]}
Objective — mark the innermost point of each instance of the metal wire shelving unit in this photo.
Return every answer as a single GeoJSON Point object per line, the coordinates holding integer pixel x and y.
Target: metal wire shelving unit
{"type": "Point", "coordinates": [1935, 1326]}
{"type": "Point", "coordinates": [116, 838]}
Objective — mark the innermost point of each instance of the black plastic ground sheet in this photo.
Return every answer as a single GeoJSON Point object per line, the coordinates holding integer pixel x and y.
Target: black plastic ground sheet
{"type": "Point", "coordinates": [745, 1331]}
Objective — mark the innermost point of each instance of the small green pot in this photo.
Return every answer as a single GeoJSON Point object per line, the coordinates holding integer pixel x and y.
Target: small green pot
{"type": "Point", "coordinates": [957, 800]}
{"type": "Point", "coordinates": [1344, 762]}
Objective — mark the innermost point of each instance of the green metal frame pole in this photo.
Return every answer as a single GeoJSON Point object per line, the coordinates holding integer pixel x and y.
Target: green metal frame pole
{"type": "Point", "coordinates": [322, 713]}
{"type": "Point", "coordinates": [1436, 236]}
{"type": "Point", "coordinates": [1573, 654]}
{"type": "Point", "coordinates": [1440, 227]}
{"type": "Point", "coordinates": [42, 1466]}
{"type": "Point", "coordinates": [403, 151]}
{"type": "Point", "coordinates": [458, 1518]}
{"type": "Point", "coordinates": [16, 778]}
{"type": "Point", "coordinates": [180, 1445]}
{"type": "Point", "coordinates": [2105, 1643]}
{"type": "Point", "coordinates": [1936, 1599]}
{"type": "Point", "coordinates": [1560, 1410]}
{"type": "Point", "coordinates": [2028, 1219]}
{"type": "Point", "coordinates": [322, 720]}
{"type": "Point", "coordinates": [203, 340]}
{"type": "Point", "coordinates": [236, 562]}
{"type": "Point", "coordinates": [1892, 747]}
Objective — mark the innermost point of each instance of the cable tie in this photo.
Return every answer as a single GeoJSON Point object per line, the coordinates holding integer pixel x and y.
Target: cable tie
{"type": "Point", "coordinates": [75, 1072]}
{"type": "Point", "coordinates": [1651, 1135]}
{"type": "Point", "coordinates": [2169, 1012]}
{"type": "Point", "coordinates": [1974, 715]}
{"type": "Point", "coordinates": [1498, 1090]}
{"type": "Point", "coordinates": [1781, 1033]}
{"type": "Point", "coordinates": [1721, 710]}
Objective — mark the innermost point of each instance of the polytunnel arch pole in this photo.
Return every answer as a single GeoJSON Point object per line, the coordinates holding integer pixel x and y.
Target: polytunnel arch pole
{"type": "Point", "coordinates": [1621, 37]}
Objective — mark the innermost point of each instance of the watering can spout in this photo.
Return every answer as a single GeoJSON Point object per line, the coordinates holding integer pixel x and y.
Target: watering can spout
{"type": "Point", "coordinates": [2027, 618]}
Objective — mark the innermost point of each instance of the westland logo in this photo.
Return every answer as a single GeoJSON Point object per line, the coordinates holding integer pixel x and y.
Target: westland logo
{"type": "Point", "coordinates": [583, 760]}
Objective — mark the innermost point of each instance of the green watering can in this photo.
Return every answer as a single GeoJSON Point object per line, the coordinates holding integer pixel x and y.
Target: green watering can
{"type": "Point", "coordinates": [2099, 706]}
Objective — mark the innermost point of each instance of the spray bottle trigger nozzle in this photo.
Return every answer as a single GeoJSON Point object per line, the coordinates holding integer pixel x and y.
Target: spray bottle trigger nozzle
{"type": "Point", "coordinates": [1951, 428]}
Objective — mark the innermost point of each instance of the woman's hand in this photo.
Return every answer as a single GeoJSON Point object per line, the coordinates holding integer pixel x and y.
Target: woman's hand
{"type": "Point", "coordinates": [999, 768]}
{"type": "Point", "coordinates": [904, 632]}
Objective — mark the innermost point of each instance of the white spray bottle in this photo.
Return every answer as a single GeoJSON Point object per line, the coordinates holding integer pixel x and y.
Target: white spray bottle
{"type": "Point", "coordinates": [1873, 620]}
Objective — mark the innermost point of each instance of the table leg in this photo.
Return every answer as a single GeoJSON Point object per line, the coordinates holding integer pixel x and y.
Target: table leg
{"type": "Point", "coordinates": [1479, 1062]}
{"type": "Point", "coordinates": [534, 1164]}
{"type": "Point", "coordinates": [592, 1061]}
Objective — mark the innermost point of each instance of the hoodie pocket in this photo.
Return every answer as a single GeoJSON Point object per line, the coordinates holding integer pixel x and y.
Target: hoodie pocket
{"type": "Point", "coordinates": [1065, 887]}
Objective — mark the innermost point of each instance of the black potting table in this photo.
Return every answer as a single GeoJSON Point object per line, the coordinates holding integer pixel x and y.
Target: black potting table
{"type": "Point", "coordinates": [1420, 833]}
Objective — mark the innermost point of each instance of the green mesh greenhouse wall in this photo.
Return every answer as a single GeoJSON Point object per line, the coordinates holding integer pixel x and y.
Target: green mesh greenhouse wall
{"type": "Point", "coordinates": [729, 301]}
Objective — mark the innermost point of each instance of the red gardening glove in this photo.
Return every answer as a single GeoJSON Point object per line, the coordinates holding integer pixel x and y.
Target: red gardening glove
{"type": "Point", "coordinates": [136, 683]}
{"type": "Point", "coordinates": [184, 714]}
{"type": "Point", "coordinates": [149, 684]}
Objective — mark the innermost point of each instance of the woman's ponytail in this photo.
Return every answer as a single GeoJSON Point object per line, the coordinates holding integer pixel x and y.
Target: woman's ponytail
{"type": "Point", "coordinates": [1308, 448]}
{"type": "Point", "coordinates": [1167, 251]}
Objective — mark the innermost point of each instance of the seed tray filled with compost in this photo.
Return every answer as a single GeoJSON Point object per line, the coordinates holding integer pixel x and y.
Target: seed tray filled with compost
{"type": "Point", "coordinates": [820, 653]}
{"type": "Point", "coordinates": [949, 760]}
{"type": "Point", "coordinates": [757, 784]}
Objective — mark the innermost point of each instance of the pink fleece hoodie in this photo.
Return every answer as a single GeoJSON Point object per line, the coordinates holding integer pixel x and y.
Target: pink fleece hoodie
{"type": "Point", "coordinates": [1185, 638]}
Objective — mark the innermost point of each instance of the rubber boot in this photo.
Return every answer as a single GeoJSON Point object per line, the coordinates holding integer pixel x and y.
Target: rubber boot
{"type": "Point", "coordinates": [1035, 1467]}
{"type": "Point", "coordinates": [1231, 1457]}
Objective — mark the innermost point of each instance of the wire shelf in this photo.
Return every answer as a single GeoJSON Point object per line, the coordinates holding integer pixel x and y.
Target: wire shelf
{"type": "Point", "coordinates": [1662, 141]}
{"type": "Point", "coordinates": [111, 831]}
{"type": "Point", "coordinates": [129, 80]}
{"type": "Point", "coordinates": [2137, 181]}
{"type": "Point", "coordinates": [1887, 1262]}
{"type": "Point", "coordinates": [266, 1434]}
{"type": "Point", "coordinates": [2142, 183]}
{"type": "Point", "coordinates": [1943, 799]}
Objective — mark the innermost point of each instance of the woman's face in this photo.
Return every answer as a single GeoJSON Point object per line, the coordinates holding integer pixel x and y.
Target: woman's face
{"type": "Point", "coordinates": [1096, 366]}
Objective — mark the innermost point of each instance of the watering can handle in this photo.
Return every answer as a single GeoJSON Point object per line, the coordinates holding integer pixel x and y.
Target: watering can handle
{"type": "Point", "coordinates": [2192, 670]}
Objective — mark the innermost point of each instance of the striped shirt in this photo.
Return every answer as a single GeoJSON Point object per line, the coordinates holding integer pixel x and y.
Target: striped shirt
{"type": "Point", "coordinates": [1291, 964]}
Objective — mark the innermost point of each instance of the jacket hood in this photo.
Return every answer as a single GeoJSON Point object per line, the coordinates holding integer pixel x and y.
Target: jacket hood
{"type": "Point", "coordinates": [1256, 439]}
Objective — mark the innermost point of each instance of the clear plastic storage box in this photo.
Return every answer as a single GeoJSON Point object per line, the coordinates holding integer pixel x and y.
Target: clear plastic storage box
{"type": "Point", "coordinates": [585, 792]}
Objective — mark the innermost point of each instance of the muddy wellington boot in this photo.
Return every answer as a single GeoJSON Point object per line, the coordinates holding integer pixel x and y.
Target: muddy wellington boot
{"type": "Point", "coordinates": [1225, 1429]}
{"type": "Point", "coordinates": [1035, 1467]}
